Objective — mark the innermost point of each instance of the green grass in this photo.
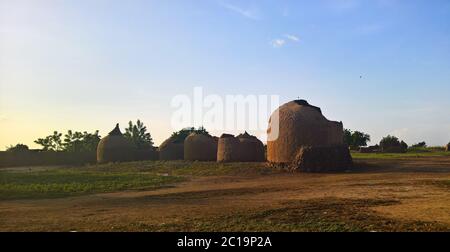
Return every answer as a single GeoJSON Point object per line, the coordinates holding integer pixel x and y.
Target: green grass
{"type": "Point", "coordinates": [357, 155]}
{"type": "Point", "coordinates": [39, 183]}
{"type": "Point", "coordinates": [71, 182]}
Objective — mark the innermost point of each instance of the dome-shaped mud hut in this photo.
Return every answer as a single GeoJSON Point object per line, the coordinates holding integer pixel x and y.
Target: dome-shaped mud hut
{"type": "Point", "coordinates": [243, 148]}
{"type": "Point", "coordinates": [228, 149]}
{"type": "Point", "coordinates": [114, 148]}
{"type": "Point", "coordinates": [200, 147]}
{"type": "Point", "coordinates": [300, 137]}
{"type": "Point", "coordinates": [251, 148]}
{"type": "Point", "coordinates": [172, 149]}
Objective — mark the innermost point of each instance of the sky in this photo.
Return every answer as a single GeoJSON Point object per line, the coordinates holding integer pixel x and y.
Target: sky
{"type": "Point", "coordinates": [379, 66]}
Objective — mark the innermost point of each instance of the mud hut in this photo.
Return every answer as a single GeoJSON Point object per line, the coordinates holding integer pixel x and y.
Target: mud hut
{"type": "Point", "coordinates": [301, 138]}
{"type": "Point", "coordinates": [200, 147]}
{"type": "Point", "coordinates": [114, 148]}
{"type": "Point", "coordinates": [172, 149]}
{"type": "Point", "coordinates": [251, 149]}
{"type": "Point", "coordinates": [228, 148]}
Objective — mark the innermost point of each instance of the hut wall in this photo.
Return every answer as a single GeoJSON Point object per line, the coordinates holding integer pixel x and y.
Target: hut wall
{"type": "Point", "coordinates": [198, 147]}
{"type": "Point", "coordinates": [300, 125]}
{"type": "Point", "coordinates": [228, 149]}
{"type": "Point", "coordinates": [171, 151]}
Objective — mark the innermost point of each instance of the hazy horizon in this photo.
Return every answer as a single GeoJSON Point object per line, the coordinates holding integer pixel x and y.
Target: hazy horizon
{"type": "Point", "coordinates": [380, 66]}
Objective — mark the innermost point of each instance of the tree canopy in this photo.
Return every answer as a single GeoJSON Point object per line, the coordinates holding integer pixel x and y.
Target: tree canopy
{"type": "Point", "coordinates": [356, 139]}
{"type": "Point", "coordinates": [73, 141]}
{"type": "Point", "coordinates": [138, 135]}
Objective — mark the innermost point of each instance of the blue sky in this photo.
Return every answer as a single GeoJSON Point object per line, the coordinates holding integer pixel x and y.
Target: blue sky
{"type": "Point", "coordinates": [85, 65]}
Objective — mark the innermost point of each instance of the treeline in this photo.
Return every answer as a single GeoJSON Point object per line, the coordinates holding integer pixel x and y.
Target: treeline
{"type": "Point", "coordinates": [76, 141]}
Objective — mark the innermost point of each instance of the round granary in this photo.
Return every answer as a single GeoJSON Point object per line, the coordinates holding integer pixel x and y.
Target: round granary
{"type": "Point", "coordinates": [228, 149]}
{"type": "Point", "coordinates": [298, 124]}
{"type": "Point", "coordinates": [114, 148]}
{"type": "Point", "coordinates": [251, 149]}
{"type": "Point", "coordinates": [200, 147]}
{"type": "Point", "coordinates": [172, 149]}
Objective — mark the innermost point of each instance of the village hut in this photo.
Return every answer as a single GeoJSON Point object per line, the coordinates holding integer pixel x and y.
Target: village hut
{"type": "Point", "coordinates": [228, 149]}
{"type": "Point", "coordinates": [251, 149]}
{"type": "Point", "coordinates": [301, 138]}
{"type": "Point", "coordinates": [200, 147]}
{"type": "Point", "coordinates": [114, 148]}
{"type": "Point", "coordinates": [172, 149]}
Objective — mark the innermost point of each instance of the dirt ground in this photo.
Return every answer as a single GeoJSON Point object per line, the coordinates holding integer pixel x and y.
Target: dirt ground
{"type": "Point", "coordinates": [379, 195]}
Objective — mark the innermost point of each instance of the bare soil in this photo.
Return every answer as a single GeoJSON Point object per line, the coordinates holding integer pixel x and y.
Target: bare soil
{"type": "Point", "coordinates": [410, 194]}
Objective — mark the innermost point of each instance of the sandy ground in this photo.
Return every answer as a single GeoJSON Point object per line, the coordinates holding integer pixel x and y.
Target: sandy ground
{"type": "Point", "coordinates": [414, 184]}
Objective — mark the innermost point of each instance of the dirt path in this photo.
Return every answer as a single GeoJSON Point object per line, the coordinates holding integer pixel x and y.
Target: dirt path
{"type": "Point", "coordinates": [412, 189]}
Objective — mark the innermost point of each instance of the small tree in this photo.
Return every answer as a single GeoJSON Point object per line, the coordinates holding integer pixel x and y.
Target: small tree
{"type": "Point", "coordinates": [17, 148]}
{"type": "Point", "coordinates": [51, 143]}
{"type": "Point", "coordinates": [348, 137]}
{"type": "Point", "coordinates": [138, 135]}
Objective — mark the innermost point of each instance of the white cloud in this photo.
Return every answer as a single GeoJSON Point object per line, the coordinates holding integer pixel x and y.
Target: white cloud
{"type": "Point", "coordinates": [278, 43]}
{"type": "Point", "coordinates": [247, 13]}
{"type": "Point", "coordinates": [292, 37]}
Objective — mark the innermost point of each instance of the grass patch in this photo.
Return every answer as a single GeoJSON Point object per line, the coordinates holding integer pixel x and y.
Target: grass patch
{"type": "Point", "coordinates": [357, 155]}
{"type": "Point", "coordinates": [185, 168]}
{"type": "Point", "coordinates": [51, 182]}
{"type": "Point", "coordinates": [71, 182]}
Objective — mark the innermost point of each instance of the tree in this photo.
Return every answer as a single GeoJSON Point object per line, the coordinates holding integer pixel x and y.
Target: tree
{"type": "Point", "coordinates": [17, 148]}
{"type": "Point", "coordinates": [419, 145]}
{"type": "Point", "coordinates": [360, 139]}
{"type": "Point", "coordinates": [355, 139]}
{"type": "Point", "coordinates": [73, 141]}
{"type": "Point", "coordinates": [348, 137]}
{"type": "Point", "coordinates": [183, 133]}
{"type": "Point", "coordinates": [393, 144]}
{"type": "Point", "coordinates": [138, 135]}
{"type": "Point", "coordinates": [51, 143]}
{"type": "Point", "coordinates": [81, 141]}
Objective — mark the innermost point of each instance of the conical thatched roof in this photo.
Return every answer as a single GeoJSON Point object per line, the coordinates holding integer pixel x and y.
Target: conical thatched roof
{"type": "Point", "coordinates": [114, 148]}
{"type": "Point", "coordinates": [200, 147]}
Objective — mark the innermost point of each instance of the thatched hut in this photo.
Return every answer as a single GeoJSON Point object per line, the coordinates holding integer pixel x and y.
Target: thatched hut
{"type": "Point", "coordinates": [296, 125]}
{"type": "Point", "coordinates": [228, 149]}
{"type": "Point", "coordinates": [172, 149]}
{"type": "Point", "coordinates": [114, 148]}
{"type": "Point", "coordinates": [200, 147]}
{"type": "Point", "coordinates": [251, 148]}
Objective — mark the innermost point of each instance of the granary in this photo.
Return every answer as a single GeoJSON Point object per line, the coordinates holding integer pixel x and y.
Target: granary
{"type": "Point", "coordinates": [251, 148]}
{"type": "Point", "coordinates": [114, 148]}
{"type": "Point", "coordinates": [243, 148]}
{"type": "Point", "coordinates": [301, 138]}
{"type": "Point", "coordinates": [172, 149]}
{"type": "Point", "coordinates": [200, 147]}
